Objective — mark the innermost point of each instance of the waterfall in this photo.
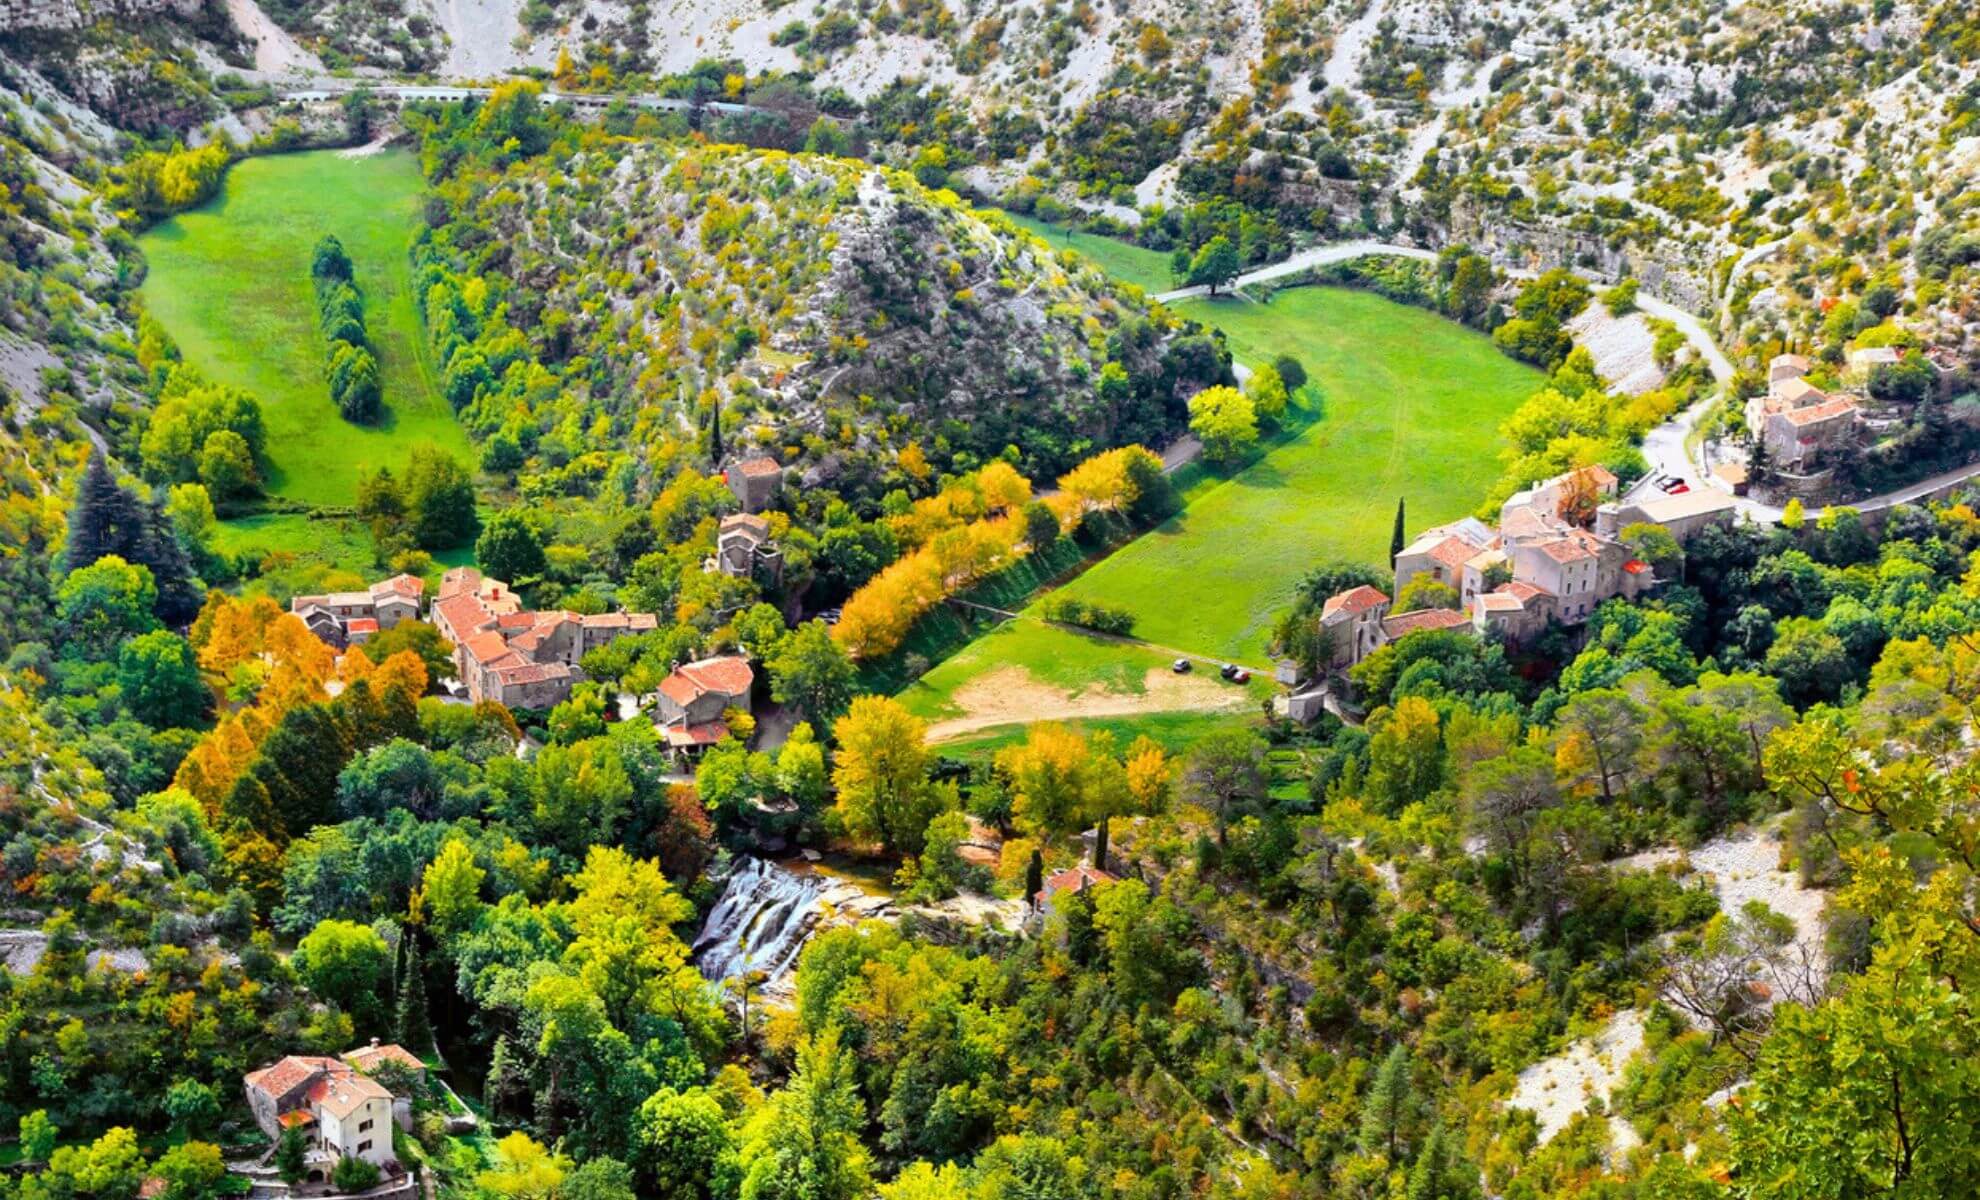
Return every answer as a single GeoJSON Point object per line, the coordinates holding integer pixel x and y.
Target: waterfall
{"type": "Point", "coordinates": [761, 921]}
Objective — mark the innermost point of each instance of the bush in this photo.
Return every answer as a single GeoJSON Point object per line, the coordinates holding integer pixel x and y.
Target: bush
{"type": "Point", "coordinates": [353, 1175]}
{"type": "Point", "coordinates": [1089, 614]}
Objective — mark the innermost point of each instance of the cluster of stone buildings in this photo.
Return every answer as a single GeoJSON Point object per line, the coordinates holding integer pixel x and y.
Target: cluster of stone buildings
{"type": "Point", "coordinates": [339, 1104]}
{"type": "Point", "coordinates": [345, 619]}
{"type": "Point", "coordinates": [1555, 557]}
{"type": "Point", "coordinates": [1800, 428]}
{"type": "Point", "coordinates": [502, 652]}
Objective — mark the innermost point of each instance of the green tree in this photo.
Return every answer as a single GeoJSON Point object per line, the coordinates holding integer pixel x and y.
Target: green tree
{"type": "Point", "coordinates": [805, 1141]}
{"type": "Point", "coordinates": [1214, 264]}
{"type": "Point", "coordinates": [159, 677]}
{"type": "Point", "coordinates": [509, 546]}
{"type": "Point", "coordinates": [191, 1171]}
{"type": "Point", "coordinates": [348, 965]}
{"type": "Point", "coordinates": [1398, 536]}
{"type": "Point", "coordinates": [424, 640]}
{"type": "Point", "coordinates": [100, 606]}
{"type": "Point", "coordinates": [291, 1155]}
{"type": "Point", "coordinates": [38, 1136]}
{"type": "Point", "coordinates": [685, 1148]}
{"type": "Point", "coordinates": [1390, 1108]}
{"type": "Point", "coordinates": [192, 1106]}
{"type": "Point", "coordinates": [1225, 774]}
{"type": "Point", "coordinates": [811, 671]}
{"type": "Point", "coordinates": [226, 466]}
{"type": "Point", "coordinates": [449, 896]}
{"type": "Point", "coordinates": [1267, 393]}
{"type": "Point", "coordinates": [439, 499]}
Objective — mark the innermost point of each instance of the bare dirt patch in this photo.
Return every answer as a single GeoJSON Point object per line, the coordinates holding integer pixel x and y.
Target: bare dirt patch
{"type": "Point", "coordinates": [1555, 1089]}
{"type": "Point", "coordinates": [1012, 695]}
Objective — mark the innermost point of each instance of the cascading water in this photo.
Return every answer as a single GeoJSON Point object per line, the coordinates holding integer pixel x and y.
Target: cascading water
{"type": "Point", "coordinates": [761, 921]}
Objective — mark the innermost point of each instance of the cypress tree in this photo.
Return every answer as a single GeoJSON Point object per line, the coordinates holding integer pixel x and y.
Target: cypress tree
{"type": "Point", "coordinates": [1034, 877]}
{"type": "Point", "coordinates": [1100, 845]}
{"type": "Point", "coordinates": [415, 1030]}
{"type": "Point", "coordinates": [1396, 542]}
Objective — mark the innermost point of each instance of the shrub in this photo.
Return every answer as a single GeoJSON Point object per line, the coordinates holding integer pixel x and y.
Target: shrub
{"type": "Point", "coordinates": [1089, 614]}
{"type": "Point", "coordinates": [353, 1175]}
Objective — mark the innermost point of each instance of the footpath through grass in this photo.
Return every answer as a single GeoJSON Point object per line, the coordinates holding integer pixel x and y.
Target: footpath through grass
{"type": "Point", "coordinates": [230, 282]}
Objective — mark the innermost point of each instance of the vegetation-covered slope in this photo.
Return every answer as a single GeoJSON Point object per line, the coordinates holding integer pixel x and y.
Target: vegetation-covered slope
{"type": "Point", "coordinates": [815, 309]}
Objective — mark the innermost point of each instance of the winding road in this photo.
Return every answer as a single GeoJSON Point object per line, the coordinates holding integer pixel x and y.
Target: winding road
{"type": "Point", "coordinates": [1665, 446]}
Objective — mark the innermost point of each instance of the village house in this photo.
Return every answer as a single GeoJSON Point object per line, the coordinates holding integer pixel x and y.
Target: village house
{"type": "Point", "coordinates": [745, 549]}
{"type": "Point", "coordinates": [342, 1111]}
{"type": "Point", "coordinates": [523, 659]}
{"type": "Point", "coordinates": [1555, 558]}
{"type": "Point", "coordinates": [1799, 427]}
{"type": "Point", "coordinates": [1068, 882]}
{"type": "Point", "coordinates": [343, 619]}
{"type": "Point", "coordinates": [755, 482]}
{"type": "Point", "coordinates": [694, 697]}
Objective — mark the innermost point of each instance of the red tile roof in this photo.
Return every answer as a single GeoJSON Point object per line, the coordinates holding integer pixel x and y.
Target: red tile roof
{"type": "Point", "coordinates": [281, 1077]}
{"type": "Point", "coordinates": [367, 1058]}
{"type": "Point", "coordinates": [729, 675]}
{"type": "Point", "coordinates": [1354, 601]}
{"type": "Point", "coordinates": [758, 467]}
{"type": "Point", "coordinates": [706, 734]}
{"type": "Point", "coordinates": [1453, 552]}
{"type": "Point", "coordinates": [361, 625]}
{"type": "Point", "coordinates": [1423, 618]}
{"type": "Point", "coordinates": [529, 672]}
{"type": "Point", "coordinates": [1834, 406]}
{"type": "Point", "coordinates": [1074, 879]}
{"type": "Point", "coordinates": [410, 586]}
{"type": "Point", "coordinates": [486, 648]}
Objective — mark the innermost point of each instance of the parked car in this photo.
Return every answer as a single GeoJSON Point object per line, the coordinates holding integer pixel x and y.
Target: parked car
{"type": "Point", "coordinates": [1228, 670]}
{"type": "Point", "coordinates": [1181, 666]}
{"type": "Point", "coordinates": [1241, 676]}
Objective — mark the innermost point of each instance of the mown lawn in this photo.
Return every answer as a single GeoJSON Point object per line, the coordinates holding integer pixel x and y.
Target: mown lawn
{"type": "Point", "coordinates": [230, 281]}
{"type": "Point", "coordinates": [1175, 732]}
{"type": "Point", "coordinates": [1402, 405]}
{"type": "Point", "coordinates": [1125, 261]}
{"type": "Point", "coordinates": [1058, 658]}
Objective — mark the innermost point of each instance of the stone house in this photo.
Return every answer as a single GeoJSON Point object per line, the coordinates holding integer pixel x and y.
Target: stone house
{"type": "Point", "coordinates": [694, 696]}
{"type": "Point", "coordinates": [341, 1111]}
{"type": "Point", "coordinates": [755, 482]}
{"type": "Point", "coordinates": [1352, 623]}
{"type": "Point", "coordinates": [523, 659]}
{"type": "Point", "coordinates": [343, 618]}
{"type": "Point", "coordinates": [1800, 427]}
{"type": "Point", "coordinates": [745, 549]}
{"type": "Point", "coordinates": [1061, 884]}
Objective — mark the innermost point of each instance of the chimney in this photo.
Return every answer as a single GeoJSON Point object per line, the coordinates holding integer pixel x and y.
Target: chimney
{"type": "Point", "coordinates": [374, 1043]}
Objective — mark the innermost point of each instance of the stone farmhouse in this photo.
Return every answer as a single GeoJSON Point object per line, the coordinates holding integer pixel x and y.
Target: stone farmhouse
{"type": "Point", "coordinates": [1555, 557]}
{"type": "Point", "coordinates": [341, 1109]}
{"type": "Point", "coordinates": [694, 696]}
{"type": "Point", "coordinates": [345, 619]}
{"type": "Point", "coordinates": [755, 481]}
{"type": "Point", "coordinates": [523, 659]}
{"type": "Point", "coordinates": [745, 550]}
{"type": "Point", "coordinates": [1801, 428]}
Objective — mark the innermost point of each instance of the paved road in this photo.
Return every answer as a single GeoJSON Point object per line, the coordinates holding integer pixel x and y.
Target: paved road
{"type": "Point", "coordinates": [335, 88]}
{"type": "Point", "coordinates": [1311, 257]}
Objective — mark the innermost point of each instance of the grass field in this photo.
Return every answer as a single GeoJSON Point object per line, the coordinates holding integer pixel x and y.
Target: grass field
{"type": "Point", "coordinates": [1408, 407]}
{"type": "Point", "coordinates": [1125, 261]}
{"type": "Point", "coordinates": [230, 282]}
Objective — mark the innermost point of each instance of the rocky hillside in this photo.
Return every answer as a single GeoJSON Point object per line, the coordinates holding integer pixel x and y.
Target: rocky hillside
{"type": "Point", "coordinates": [821, 310]}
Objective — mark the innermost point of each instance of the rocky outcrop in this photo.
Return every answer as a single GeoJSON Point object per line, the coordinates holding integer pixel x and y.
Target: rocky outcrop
{"type": "Point", "coordinates": [1672, 271]}
{"type": "Point", "coordinates": [23, 15]}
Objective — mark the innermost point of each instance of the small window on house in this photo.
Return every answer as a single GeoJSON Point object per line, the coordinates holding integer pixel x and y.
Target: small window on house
{"type": "Point", "coordinates": [363, 1125]}
{"type": "Point", "coordinates": [363, 1146]}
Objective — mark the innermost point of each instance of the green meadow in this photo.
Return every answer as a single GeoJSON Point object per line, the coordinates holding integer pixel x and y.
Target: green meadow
{"type": "Point", "coordinates": [1125, 261]}
{"type": "Point", "coordinates": [230, 282]}
{"type": "Point", "coordinates": [1400, 405]}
